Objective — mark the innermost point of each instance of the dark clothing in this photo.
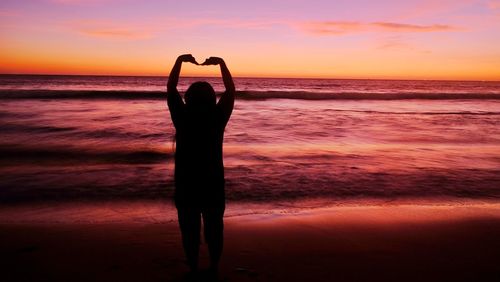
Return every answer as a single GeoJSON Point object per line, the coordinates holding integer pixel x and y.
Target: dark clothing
{"type": "Point", "coordinates": [199, 168]}
{"type": "Point", "coordinates": [190, 223]}
{"type": "Point", "coordinates": [199, 173]}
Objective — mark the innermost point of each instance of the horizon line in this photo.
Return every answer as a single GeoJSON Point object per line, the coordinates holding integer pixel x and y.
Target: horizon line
{"type": "Point", "coordinates": [252, 77]}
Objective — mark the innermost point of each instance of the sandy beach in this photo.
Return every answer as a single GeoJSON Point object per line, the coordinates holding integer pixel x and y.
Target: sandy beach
{"type": "Point", "coordinates": [346, 243]}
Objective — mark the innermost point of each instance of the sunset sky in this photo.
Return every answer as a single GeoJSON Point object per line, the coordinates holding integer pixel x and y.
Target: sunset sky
{"type": "Point", "coordinates": [458, 39]}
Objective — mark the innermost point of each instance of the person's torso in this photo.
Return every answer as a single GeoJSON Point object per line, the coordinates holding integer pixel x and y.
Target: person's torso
{"type": "Point", "coordinates": [198, 156]}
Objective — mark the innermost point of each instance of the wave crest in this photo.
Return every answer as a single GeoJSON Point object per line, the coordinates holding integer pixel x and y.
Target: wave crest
{"type": "Point", "coordinates": [245, 95]}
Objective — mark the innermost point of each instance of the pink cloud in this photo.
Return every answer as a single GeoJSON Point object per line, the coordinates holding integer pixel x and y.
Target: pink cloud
{"type": "Point", "coordinates": [79, 2]}
{"type": "Point", "coordinates": [148, 29]}
{"type": "Point", "coordinates": [348, 27]}
{"type": "Point", "coordinates": [225, 23]}
{"type": "Point", "coordinates": [393, 43]}
{"type": "Point", "coordinates": [494, 4]}
{"type": "Point", "coordinates": [412, 27]}
{"type": "Point", "coordinates": [115, 33]}
{"type": "Point", "coordinates": [398, 42]}
{"type": "Point", "coordinates": [9, 13]}
{"type": "Point", "coordinates": [111, 30]}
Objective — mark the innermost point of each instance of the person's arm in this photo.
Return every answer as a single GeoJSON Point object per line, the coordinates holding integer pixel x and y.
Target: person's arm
{"type": "Point", "coordinates": [173, 78]}
{"type": "Point", "coordinates": [226, 102]}
{"type": "Point", "coordinates": [174, 99]}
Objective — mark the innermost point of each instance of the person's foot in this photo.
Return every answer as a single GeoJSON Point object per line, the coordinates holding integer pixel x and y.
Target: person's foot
{"type": "Point", "coordinates": [193, 266]}
{"type": "Point", "coordinates": [191, 276]}
{"type": "Point", "coordinates": [211, 274]}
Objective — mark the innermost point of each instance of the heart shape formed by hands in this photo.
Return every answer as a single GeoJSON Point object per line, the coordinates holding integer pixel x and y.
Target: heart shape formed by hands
{"type": "Point", "coordinates": [212, 61]}
{"type": "Point", "coordinates": [209, 61]}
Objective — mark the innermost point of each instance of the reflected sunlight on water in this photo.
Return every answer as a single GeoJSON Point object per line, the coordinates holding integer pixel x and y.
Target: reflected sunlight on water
{"type": "Point", "coordinates": [275, 149]}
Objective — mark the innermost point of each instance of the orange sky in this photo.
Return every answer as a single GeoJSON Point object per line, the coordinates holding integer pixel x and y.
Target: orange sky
{"type": "Point", "coordinates": [331, 39]}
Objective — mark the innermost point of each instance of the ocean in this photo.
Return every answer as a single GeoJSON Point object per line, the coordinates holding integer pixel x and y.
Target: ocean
{"type": "Point", "coordinates": [314, 141]}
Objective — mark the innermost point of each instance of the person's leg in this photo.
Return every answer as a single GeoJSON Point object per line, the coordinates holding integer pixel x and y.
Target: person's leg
{"type": "Point", "coordinates": [189, 223]}
{"type": "Point", "coordinates": [213, 230]}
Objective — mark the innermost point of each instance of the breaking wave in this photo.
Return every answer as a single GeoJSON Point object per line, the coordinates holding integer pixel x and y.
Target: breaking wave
{"type": "Point", "coordinates": [246, 95]}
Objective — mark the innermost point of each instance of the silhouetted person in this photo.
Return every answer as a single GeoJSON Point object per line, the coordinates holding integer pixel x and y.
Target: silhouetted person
{"type": "Point", "coordinates": [199, 169]}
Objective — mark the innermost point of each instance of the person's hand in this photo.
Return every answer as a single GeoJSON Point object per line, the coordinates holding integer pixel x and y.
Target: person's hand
{"type": "Point", "coordinates": [213, 61]}
{"type": "Point", "coordinates": [187, 58]}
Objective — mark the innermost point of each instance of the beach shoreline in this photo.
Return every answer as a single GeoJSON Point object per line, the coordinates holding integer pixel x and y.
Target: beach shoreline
{"type": "Point", "coordinates": [344, 243]}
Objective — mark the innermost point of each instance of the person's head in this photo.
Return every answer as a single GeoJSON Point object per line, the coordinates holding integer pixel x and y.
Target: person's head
{"type": "Point", "coordinates": [200, 95]}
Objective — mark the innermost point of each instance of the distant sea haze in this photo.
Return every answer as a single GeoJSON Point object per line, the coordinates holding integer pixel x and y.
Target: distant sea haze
{"type": "Point", "coordinates": [67, 138]}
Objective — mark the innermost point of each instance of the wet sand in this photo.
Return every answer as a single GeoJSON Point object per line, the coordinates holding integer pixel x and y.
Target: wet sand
{"type": "Point", "coordinates": [362, 243]}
